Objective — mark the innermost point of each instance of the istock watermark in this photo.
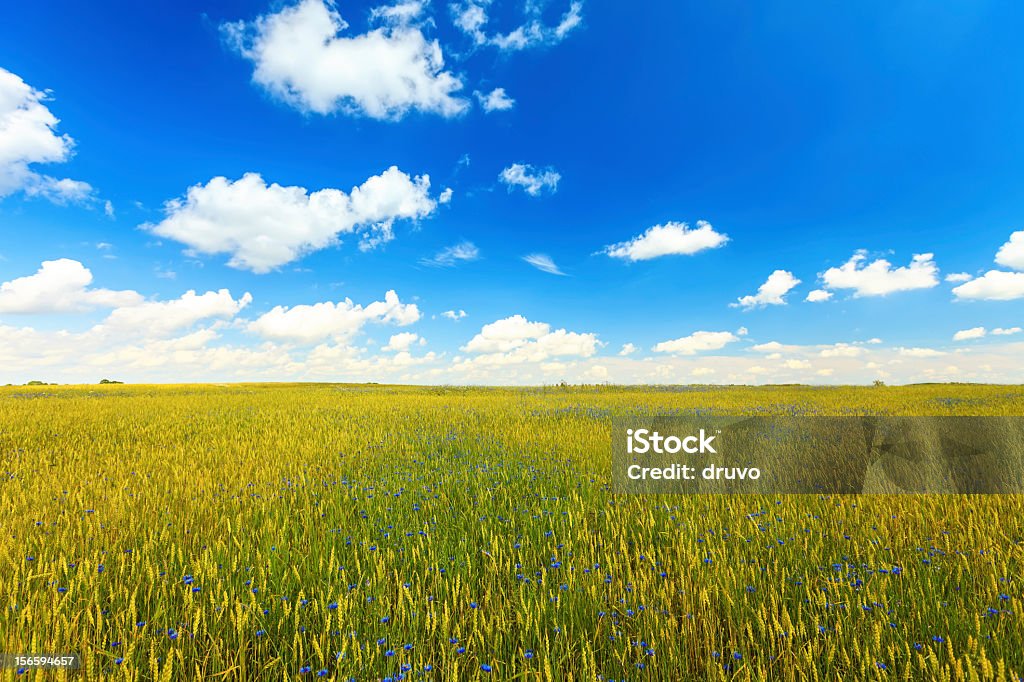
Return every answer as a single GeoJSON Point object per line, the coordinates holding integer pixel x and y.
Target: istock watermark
{"type": "Point", "coordinates": [822, 455]}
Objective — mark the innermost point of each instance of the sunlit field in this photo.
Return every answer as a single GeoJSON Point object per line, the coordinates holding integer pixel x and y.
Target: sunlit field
{"type": "Point", "coordinates": [374, 532]}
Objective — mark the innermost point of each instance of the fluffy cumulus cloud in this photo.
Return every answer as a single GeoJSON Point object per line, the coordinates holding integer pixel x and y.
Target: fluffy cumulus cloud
{"type": "Point", "coordinates": [454, 315]}
{"type": "Point", "coordinates": [160, 318]}
{"type": "Point", "coordinates": [994, 285]}
{"type": "Point", "coordinates": [818, 296]}
{"type": "Point", "coordinates": [506, 334]}
{"type": "Point", "coordinates": [471, 16]}
{"type": "Point", "coordinates": [544, 263]}
{"type": "Point", "coordinates": [627, 349]}
{"type": "Point", "coordinates": [1011, 254]}
{"type": "Point", "coordinates": [301, 56]}
{"type": "Point", "coordinates": [329, 320]}
{"type": "Point", "coordinates": [696, 342]}
{"type": "Point", "coordinates": [534, 181]}
{"type": "Point", "coordinates": [265, 226]}
{"type": "Point", "coordinates": [880, 278]}
{"type": "Point", "coordinates": [516, 340]}
{"type": "Point", "coordinates": [450, 256]}
{"type": "Point", "coordinates": [60, 286]}
{"type": "Point", "coordinates": [403, 341]}
{"type": "Point", "coordinates": [670, 239]}
{"type": "Point", "coordinates": [957, 277]}
{"type": "Point", "coordinates": [772, 292]}
{"type": "Point", "coordinates": [495, 100]}
{"type": "Point", "coordinates": [28, 136]}
{"type": "Point", "coordinates": [968, 334]}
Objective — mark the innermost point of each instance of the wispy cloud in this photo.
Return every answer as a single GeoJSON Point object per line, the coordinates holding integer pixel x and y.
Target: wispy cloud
{"type": "Point", "coordinates": [449, 256]}
{"type": "Point", "coordinates": [544, 263]}
{"type": "Point", "coordinates": [534, 181]}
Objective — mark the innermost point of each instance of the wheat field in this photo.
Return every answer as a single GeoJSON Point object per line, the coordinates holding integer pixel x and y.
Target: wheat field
{"type": "Point", "coordinates": [273, 532]}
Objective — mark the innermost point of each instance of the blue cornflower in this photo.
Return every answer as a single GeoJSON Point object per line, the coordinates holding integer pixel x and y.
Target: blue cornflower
{"type": "Point", "coordinates": [473, 604]}
{"type": "Point", "coordinates": [332, 606]}
{"type": "Point", "coordinates": [485, 667]}
{"type": "Point", "coordinates": [385, 619]}
{"type": "Point", "coordinates": [140, 624]}
{"type": "Point", "coordinates": [528, 654]}
{"type": "Point", "coordinates": [322, 672]}
{"type": "Point", "coordinates": [118, 661]}
{"type": "Point", "coordinates": [172, 633]}
{"type": "Point", "coordinates": [99, 569]}
{"type": "Point", "coordinates": [737, 655]}
{"type": "Point", "coordinates": [260, 633]}
{"type": "Point", "coordinates": [305, 669]}
{"type": "Point", "coordinates": [461, 650]}
{"type": "Point", "coordinates": [389, 653]}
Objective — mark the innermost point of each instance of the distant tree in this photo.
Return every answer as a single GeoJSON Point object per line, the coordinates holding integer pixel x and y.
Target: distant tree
{"type": "Point", "coordinates": [878, 383]}
{"type": "Point", "coordinates": [36, 382]}
{"type": "Point", "coordinates": [110, 381]}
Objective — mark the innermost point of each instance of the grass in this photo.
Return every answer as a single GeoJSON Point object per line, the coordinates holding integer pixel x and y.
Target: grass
{"type": "Point", "coordinates": [258, 531]}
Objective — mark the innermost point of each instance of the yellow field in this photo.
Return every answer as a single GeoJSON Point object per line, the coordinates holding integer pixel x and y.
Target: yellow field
{"type": "Point", "coordinates": [375, 532]}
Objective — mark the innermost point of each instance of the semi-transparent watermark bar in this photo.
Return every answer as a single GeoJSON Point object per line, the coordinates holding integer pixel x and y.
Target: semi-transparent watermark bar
{"type": "Point", "coordinates": [822, 455]}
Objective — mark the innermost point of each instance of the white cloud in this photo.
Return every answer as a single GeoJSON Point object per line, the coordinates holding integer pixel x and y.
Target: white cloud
{"type": "Point", "coordinates": [696, 342]}
{"type": "Point", "coordinates": [454, 314]}
{"type": "Point", "coordinates": [920, 352]}
{"type": "Point", "coordinates": [627, 349]}
{"type": "Point", "coordinates": [957, 277]}
{"type": "Point", "coordinates": [772, 292]}
{"type": "Point", "coordinates": [994, 285]}
{"type": "Point", "coordinates": [265, 226]}
{"type": "Point", "coordinates": [403, 341]}
{"type": "Point", "coordinates": [27, 137]}
{"type": "Point", "coordinates": [841, 350]}
{"type": "Point", "coordinates": [60, 286]}
{"type": "Point", "coordinates": [533, 180]}
{"type": "Point", "coordinates": [515, 340]}
{"type": "Point", "coordinates": [879, 278]}
{"type": "Point", "coordinates": [771, 347]}
{"type": "Point", "coordinates": [495, 100]}
{"type": "Point", "coordinates": [967, 334]}
{"type": "Point", "coordinates": [445, 197]}
{"type": "Point", "coordinates": [471, 17]}
{"type": "Point", "coordinates": [543, 262]}
{"type": "Point", "coordinates": [301, 58]}
{"type": "Point", "coordinates": [1011, 254]}
{"type": "Point", "coordinates": [506, 334]}
{"type": "Point", "coordinates": [670, 239]}
{"type": "Point", "coordinates": [160, 318]}
{"type": "Point", "coordinates": [818, 296]}
{"type": "Point", "coordinates": [1007, 331]}
{"type": "Point", "coordinates": [463, 252]}
{"type": "Point", "coordinates": [108, 210]}
{"type": "Point", "coordinates": [339, 321]}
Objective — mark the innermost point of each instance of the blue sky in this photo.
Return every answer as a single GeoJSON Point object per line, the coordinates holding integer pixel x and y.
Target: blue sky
{"type": "Point", "coordinates": [802, 134]}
